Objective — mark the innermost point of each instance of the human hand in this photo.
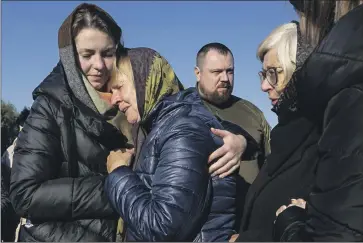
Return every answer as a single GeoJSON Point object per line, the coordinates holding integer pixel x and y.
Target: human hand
{"type": "Point", "coordinates": [294, 202]}
{"type": "Point", "coordinates": [118, 158]}
{"type": "Point", "coordinates": [229, 154]}
{"type": "Point", "coordinates": [233, 238]}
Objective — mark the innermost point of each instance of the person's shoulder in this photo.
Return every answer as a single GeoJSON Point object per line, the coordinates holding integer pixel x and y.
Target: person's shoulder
{"type": "Point", "coordinates": [54, 86]}
{"type": "Point", "coordinates": [143, 51]}
{"type": "Point", "coordinates": [248, 106]}
{"type": "Point", "coordinates": [50, 108]}
{"type": "Point", "coordinates": [192, 116]}
{"type": "Point", "coordinates": [185, 125]}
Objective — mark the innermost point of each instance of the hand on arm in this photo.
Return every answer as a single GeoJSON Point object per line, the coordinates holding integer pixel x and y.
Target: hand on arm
{"type": "Point", "coordinates": [229, 155]}
{"type": "Point", "coordinates": [119, 158]}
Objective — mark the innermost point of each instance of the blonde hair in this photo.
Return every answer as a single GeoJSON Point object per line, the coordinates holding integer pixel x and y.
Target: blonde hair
{"type": "Point", "coordinates": [122, 71]}
{"type": "Point", "coordinates": [284, 40]}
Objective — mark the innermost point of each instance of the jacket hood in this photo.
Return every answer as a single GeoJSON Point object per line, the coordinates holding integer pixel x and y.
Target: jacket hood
{"type": "Point", "coordinates": [67, 70]}
{"type": "Point", "coordinates": [336, 64]}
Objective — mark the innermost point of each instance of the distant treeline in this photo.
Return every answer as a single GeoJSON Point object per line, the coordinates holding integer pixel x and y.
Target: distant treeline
{"type": "Point", "coordinates": [10, 123]}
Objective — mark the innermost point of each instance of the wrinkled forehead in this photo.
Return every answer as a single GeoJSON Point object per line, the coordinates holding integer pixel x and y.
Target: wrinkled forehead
{"type": "Point", "coordinates": [216, 60]}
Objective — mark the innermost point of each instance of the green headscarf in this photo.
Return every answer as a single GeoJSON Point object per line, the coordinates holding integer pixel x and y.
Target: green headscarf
{"type": "Point", "coordinates": [154, 79]}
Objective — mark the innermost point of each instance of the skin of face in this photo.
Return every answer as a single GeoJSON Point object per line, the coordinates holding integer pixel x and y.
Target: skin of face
{"type": "Point", "coordinates": [124, 97]}
{"type": "Point", "coordinates": [270, 60]}
{"type": "Point", "coordinates": [96, 54]}
{"type": "Point", "coordinates": [216, 76]}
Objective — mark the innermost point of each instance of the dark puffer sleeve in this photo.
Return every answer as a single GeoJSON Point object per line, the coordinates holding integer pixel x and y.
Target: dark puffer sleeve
{"type": "Point", "coordinates": [222, 216]}
{"type": "Point", "coordinates": [36, 192]}
{"type": "Point", "coordinates": [172, 209]}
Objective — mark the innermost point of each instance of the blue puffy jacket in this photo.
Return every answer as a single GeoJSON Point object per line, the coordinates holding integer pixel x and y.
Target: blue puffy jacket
{"type": "Point", "coordinates": [170, 196]}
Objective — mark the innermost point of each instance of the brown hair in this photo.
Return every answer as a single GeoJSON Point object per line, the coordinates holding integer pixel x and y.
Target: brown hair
{"type": "Point", "coordinates": [90, 16]}
{"type": "Point", "coordinates": [343, 7]}
{"type": "Point", "coordinates": [318, 20]}
{"type": "Point", "coordinates": [319, 16]}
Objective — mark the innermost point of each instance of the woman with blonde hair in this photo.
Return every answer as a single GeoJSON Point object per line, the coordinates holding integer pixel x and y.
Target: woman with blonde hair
{"type": "Point", "coordinates": [278, 55]}
{"type": "Point", "coordinates": [329, 93]}
{"type": "Point", "coordinates": [283, 176]}
{"type": "Point", "coordinates": [315, 168]}
{"type": "Point", "coordinates": [168, 193]}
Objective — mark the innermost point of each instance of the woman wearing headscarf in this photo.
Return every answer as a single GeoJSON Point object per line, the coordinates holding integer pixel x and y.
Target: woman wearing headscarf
{"type": "Point", "coordinates": [59, 167]}
{"type": "Point", "coordinates": [167, 194]}
{"type": "Point", "coordinates": [289, 170]}
{"type": "Point", "coordinates": [329, 93]}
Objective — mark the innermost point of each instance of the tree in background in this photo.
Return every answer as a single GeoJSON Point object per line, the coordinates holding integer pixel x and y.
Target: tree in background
{"type": "Point", "coordinates": [10, 122]}
{"type": "Point", "coordinates": [9, 129]}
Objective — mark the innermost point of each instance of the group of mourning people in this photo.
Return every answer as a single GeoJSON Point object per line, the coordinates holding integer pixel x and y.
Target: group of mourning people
{"type": "Point", "coordinates": [115, 148]}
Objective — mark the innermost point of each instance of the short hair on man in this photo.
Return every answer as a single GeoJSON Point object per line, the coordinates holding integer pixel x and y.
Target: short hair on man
{"type": "Point", "coordinates": [222, 49]}
{"type": "Point", "coordinates": [22, 116]}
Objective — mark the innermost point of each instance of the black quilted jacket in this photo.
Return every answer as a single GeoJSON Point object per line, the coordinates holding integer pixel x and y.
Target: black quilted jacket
{"type": "Point", "coordinates": [59, 168]}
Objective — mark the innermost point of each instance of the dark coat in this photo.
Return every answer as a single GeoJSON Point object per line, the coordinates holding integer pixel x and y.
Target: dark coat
{"type": "Point", "coordinates": [9, 219]}
{"type": "Point", "coordinates": [288, 173]}
{"type": "Point", "coordinates": [59, 167]}
{"type": "Point", "coordinates": [170, 195]}
{"type": "Point", "coordinates": [317, 151]}
{"type": "Point", "coordinates": [330, 93]}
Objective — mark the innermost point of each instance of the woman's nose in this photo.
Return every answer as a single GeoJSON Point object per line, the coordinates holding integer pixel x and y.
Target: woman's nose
{"type": "Point", "coordinates": [99, 63]}
{"type": "Point", "coordinates": [115, 98]}
{"type": "Point", "coordinates": [265, 86]}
